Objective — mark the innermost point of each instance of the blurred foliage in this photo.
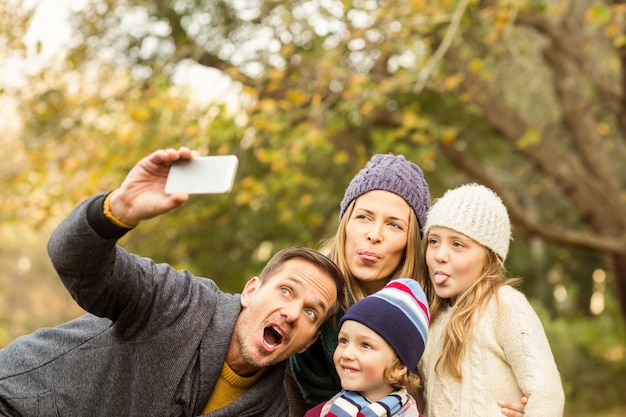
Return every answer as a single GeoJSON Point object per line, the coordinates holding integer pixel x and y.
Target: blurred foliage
{"type": "Point", "coordinates": [591, 355]}
{"type": "Point", "coordinates": [522, 96]}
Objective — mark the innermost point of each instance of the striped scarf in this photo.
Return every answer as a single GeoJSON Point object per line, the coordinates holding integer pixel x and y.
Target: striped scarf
{"type": "Point", "coordinates": [353, 404]}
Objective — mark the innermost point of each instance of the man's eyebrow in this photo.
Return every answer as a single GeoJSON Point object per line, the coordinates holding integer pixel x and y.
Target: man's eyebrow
{"type": "Point", "coordinates": [300, 284]}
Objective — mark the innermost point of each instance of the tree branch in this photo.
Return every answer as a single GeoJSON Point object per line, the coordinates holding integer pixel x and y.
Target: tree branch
{"type": "Point", "coordinates": [524, 223]}
{"type": "Point", "coordinates": [602, 83]}
{"type": "Point", "coordinates": [434, 60]}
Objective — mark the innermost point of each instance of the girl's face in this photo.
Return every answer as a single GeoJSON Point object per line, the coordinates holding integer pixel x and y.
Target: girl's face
{"type": "Point", "coordinates": [361, 358]}
{"type": "Point", "coordinates": [376, 237]}
{"type": "Point", "coordinates": [454, 261]}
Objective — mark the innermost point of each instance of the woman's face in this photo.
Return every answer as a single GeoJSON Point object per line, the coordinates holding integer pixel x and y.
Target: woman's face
{"type": "Point", "coordinates": [376, 237]}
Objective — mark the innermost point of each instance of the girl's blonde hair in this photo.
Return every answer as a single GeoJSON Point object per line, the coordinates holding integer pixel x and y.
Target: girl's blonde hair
{"type": "Point", "coordinates": [410, 266]}
{"type": "Point", "coordinates": [468, 307]}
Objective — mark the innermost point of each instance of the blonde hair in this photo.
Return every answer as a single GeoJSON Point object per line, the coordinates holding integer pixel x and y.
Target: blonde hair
{"type": "Point", "coordinates": [398, 376]}
{"type": "Point", "coordinates": [469, 305]}
{"type": "Point", "coordinates": [410, 266]}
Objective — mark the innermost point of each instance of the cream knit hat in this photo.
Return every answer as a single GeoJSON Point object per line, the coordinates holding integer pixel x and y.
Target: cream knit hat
{"type": "Point", "coordinates": [475, 211]}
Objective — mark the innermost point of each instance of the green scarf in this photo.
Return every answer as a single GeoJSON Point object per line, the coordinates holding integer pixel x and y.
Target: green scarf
{"type": "Point", "coordinates": [314, 369]}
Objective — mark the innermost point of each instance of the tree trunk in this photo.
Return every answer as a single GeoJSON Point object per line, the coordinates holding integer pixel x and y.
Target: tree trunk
{"type": "Point", "coordinates": [617, 264]}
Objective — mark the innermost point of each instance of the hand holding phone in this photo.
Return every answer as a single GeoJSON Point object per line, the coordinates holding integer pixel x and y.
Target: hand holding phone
{"type": "Point", "coordinates": [202, 175]}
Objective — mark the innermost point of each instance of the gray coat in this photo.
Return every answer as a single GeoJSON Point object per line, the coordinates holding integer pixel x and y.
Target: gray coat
{"type": "Point", "coordinates": [153, 345]}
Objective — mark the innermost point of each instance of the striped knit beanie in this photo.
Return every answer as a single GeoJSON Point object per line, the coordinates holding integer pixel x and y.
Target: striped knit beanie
{"type": "Point", "coordinates": [395, 174]}
{"type": "Point", "coordinates": [399, 314]}
{"type": "Point", "coordinates": [477, 212]}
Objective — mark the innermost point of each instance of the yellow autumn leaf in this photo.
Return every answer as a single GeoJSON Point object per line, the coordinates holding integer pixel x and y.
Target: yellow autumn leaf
{"type": "Point", "coordinates": [191, 130]}
{"type": "Point", "coordinates": [340, 157]}
{"type": "Point", "coordinates": [477, 65]}
{"type": "Point", "coordinates": [449, 135]}
{"type": "Point", "coordinates": [599, 13]}
{"type": "Point", "coordinates": [297, 97]}
{"type": "Point", "coordinates": [604, 128]}
{"type": "Point", "coordinates": [140, 115]}
{"type": "Point", "coordinates": [453, 81]}
{"type": "Point", "coordinates": [530, 138]}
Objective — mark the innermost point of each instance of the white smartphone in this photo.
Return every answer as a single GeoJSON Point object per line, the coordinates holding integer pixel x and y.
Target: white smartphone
{"type": "Point", "coordinates": [202, 175]}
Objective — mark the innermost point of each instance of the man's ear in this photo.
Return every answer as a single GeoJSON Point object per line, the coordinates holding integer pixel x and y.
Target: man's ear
{"type": "Point", "coordinates": [248, 291]}
{"type": "Point", "coordinates": [311, 342]}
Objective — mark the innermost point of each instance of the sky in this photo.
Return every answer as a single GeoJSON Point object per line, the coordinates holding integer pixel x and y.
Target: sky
{"type": "Point", "coordinates": [49, 25]}
{"type": "Point", "coordinates": [49, 28]}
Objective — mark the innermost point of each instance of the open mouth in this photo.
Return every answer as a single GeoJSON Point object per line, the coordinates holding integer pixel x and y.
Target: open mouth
{"type": "Point", "coordinates": [272, 336]}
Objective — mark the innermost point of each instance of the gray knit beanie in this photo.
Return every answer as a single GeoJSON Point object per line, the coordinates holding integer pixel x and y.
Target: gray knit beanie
{"type": "Point", "coordinates": [395, 174]}
{"type": "Point", "coordinates": [475, 211]}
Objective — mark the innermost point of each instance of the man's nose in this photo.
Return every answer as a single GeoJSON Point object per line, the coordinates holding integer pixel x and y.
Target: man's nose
{"type": "Point", "coordinates": [291, 311]}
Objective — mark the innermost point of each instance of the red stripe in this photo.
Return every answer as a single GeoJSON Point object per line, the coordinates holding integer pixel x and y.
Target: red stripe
{"type": "Point", "coordinates": [404, 288]}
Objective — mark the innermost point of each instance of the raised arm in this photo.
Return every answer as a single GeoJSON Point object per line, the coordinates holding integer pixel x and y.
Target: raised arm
{"type": "Point", "coordinates": [103, 278]}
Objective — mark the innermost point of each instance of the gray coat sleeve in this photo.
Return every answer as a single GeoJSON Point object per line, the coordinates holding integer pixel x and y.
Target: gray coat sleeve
{"type": "Point", "coordinates": [137, 294]}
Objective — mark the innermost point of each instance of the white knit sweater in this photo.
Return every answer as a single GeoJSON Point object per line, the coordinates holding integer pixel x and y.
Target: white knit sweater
{"type": "Point", "coordinates": [508, 356]}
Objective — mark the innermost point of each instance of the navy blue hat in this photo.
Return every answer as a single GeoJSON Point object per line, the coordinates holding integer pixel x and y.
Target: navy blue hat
{"type": "Point", "coordinates": [399, 314]}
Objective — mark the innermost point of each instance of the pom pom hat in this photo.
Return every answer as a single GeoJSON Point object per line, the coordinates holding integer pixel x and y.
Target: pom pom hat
{"type": "Point", "coordinates": [477, 212]}
{"type": "Point", "coordinates": [399, 314]}
{"type": "Point", "coordinates": [395, 174]}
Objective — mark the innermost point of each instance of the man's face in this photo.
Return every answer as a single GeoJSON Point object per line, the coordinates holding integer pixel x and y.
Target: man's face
{"type": "Point", "coordinates": [282, 315]}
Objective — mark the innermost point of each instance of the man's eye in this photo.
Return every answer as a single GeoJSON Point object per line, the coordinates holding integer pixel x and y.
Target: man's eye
{"type": "Point", "coordinates": [311, 314]}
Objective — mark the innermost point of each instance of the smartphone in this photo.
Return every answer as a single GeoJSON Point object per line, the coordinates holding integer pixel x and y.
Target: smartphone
{"type": "Point", "coordinates": [202, 175]}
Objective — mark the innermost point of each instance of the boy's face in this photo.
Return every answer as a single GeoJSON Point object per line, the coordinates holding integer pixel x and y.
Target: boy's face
{"type": "Point", "coordinates": [361, 358]}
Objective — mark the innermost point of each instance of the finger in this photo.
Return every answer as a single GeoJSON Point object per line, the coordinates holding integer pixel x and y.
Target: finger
{"type": "Point", "coordinates": [510, 413]}
{"type": "Point", "coordinates": [511, 409]}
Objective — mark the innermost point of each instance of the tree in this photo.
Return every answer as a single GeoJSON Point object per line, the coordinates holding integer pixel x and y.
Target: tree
{"type": "Point", "coordinates": [525, 97]}
{"type": "Point", "coordinates": [540, 82]}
